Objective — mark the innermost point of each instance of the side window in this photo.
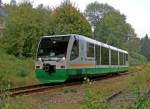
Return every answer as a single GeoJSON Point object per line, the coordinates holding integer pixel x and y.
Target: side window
{"type": "Point", "coordinates": [126, 59]}
{"type": "Point", "coordinates": [97, 53]}
{"type": "Point", "coordinates": [75, 50]}
{"type": "Point", "coordinates": [121, 58]}
{"type": "Point", "coordinates": [114, 57]}
{"type": "Point", "coordinates": [90, 50]}
{"type": "Point", "coordinates": [104, 56]}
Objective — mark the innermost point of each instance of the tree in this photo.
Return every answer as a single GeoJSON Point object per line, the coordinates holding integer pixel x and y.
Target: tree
{"type": "Point", "coordinates": [113, 29]}
{"type": "Point", "coordinates": [145, 47]}
{"type": "Point", "coordinates": [95, 11]}
{"type": "Point", "coordinates": [135, 58]}
{"type": "Point", "coordinates": [25, 25]}
{"type": "Point", "coordinates": [110, 27]}
{"type": "Point", "coordinates": [69, 20]}
{"type": "Point", "coordinates": [134, 44]}
{"type": "Point", "coordinates": [13, 2]}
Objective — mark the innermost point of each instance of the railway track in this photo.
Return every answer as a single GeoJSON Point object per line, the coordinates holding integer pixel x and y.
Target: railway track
{"type": "Point", "coordinates": [36, 88]}
{"type": "Point", "coordinates": [111, 97]}
{"type": "Point", "coordinates": [44, 87]}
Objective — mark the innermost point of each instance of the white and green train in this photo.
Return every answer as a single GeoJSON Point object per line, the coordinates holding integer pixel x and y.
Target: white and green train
{"type": "Point", "coordinates": [63, 57]}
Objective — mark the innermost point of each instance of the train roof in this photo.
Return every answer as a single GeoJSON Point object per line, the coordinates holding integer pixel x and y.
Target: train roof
{"type": "Point", "coordinates": [59, 35]}
{"type": "Point", "coordinates": [80, 37]}
{"type": "Point", "coordinates": [101, 44]}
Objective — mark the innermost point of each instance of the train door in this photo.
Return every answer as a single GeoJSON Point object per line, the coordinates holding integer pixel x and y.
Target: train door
{"type": "Point", "coordinates": [105, 59]}
{"type": "Point", "coordinates": [90, 58]}
{"type": "Point", "coordinates": [75, 59]}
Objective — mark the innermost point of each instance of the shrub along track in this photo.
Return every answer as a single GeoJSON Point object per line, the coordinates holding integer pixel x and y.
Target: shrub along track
{"type": "Point", "coordinates": [126, 93]}
{"type": "Point", "coordinates": [49, 86]}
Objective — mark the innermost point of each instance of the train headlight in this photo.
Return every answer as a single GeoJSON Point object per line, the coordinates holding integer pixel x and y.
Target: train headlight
{"type": "Point", "coordinates": [39, 59]}
{"type": "Point", "coordinates": [63, 59]}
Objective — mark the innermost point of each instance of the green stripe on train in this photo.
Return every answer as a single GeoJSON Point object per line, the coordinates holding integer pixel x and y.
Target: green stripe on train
{"type": "Point", "coordinates": [59, 76]}
{"type": "Point", "coordinates": [62, 75]}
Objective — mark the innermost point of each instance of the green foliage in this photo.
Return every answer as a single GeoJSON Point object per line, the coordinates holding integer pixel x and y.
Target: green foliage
{"type": "Point", "coordinates": [112, 29]}
{"type": "Point", "coordinates": [109, 24]}
{"type": "Point", "coordinates": [15, 72]}
{"type": "Point", "coordinates": [68, 19]}
{"type": "Point", "coordinates": [4, 101]}
{"type": "Point", "coordinates": [23, 72]}
{"type": "Point", "coordinates": [134, 98]}
{"type": "Point", "coordinates": [93, 100]}
{"type": "Point", "coordinates": [95, 11]}
{"type": "Point", "coordinates": [25, 25]}
{"type": "Point", "coordinates": [136, 59]}
{"type": "Point", "coordinates": [141, 100]}
{"type": "Point", "coordinates": [145, 47]}
{"type": "Point", "coordinates": [133, 45]}
{"type": "Point", "coordinates": [13, 103]}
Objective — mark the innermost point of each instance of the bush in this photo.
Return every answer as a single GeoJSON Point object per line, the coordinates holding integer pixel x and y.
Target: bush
{"type": "Point", "coordinates": [136, 59]}
{"type": "Point", "coordinates": [23, 72]}
{"type": "Point", "coordinates": [93, 100]}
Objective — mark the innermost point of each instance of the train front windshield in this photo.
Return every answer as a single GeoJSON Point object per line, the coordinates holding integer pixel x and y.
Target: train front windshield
{"type": "Point", "coordinates": [53, 47]}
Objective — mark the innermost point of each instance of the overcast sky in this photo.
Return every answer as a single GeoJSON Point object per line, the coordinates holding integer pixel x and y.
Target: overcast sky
{"type": "Point", "coordinates": [137, 11]}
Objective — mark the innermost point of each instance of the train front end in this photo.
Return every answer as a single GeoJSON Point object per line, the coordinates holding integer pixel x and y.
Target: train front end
{"type": "Point", "coordinates": [51, 59]}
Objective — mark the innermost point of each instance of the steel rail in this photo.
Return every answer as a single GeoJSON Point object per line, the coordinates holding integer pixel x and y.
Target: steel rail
{"type": "Point", "coordinates": [44, 87]}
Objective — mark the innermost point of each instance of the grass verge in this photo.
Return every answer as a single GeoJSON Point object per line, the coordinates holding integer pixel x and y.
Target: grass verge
{"type": "Point", "coordinates": [16, 72]}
